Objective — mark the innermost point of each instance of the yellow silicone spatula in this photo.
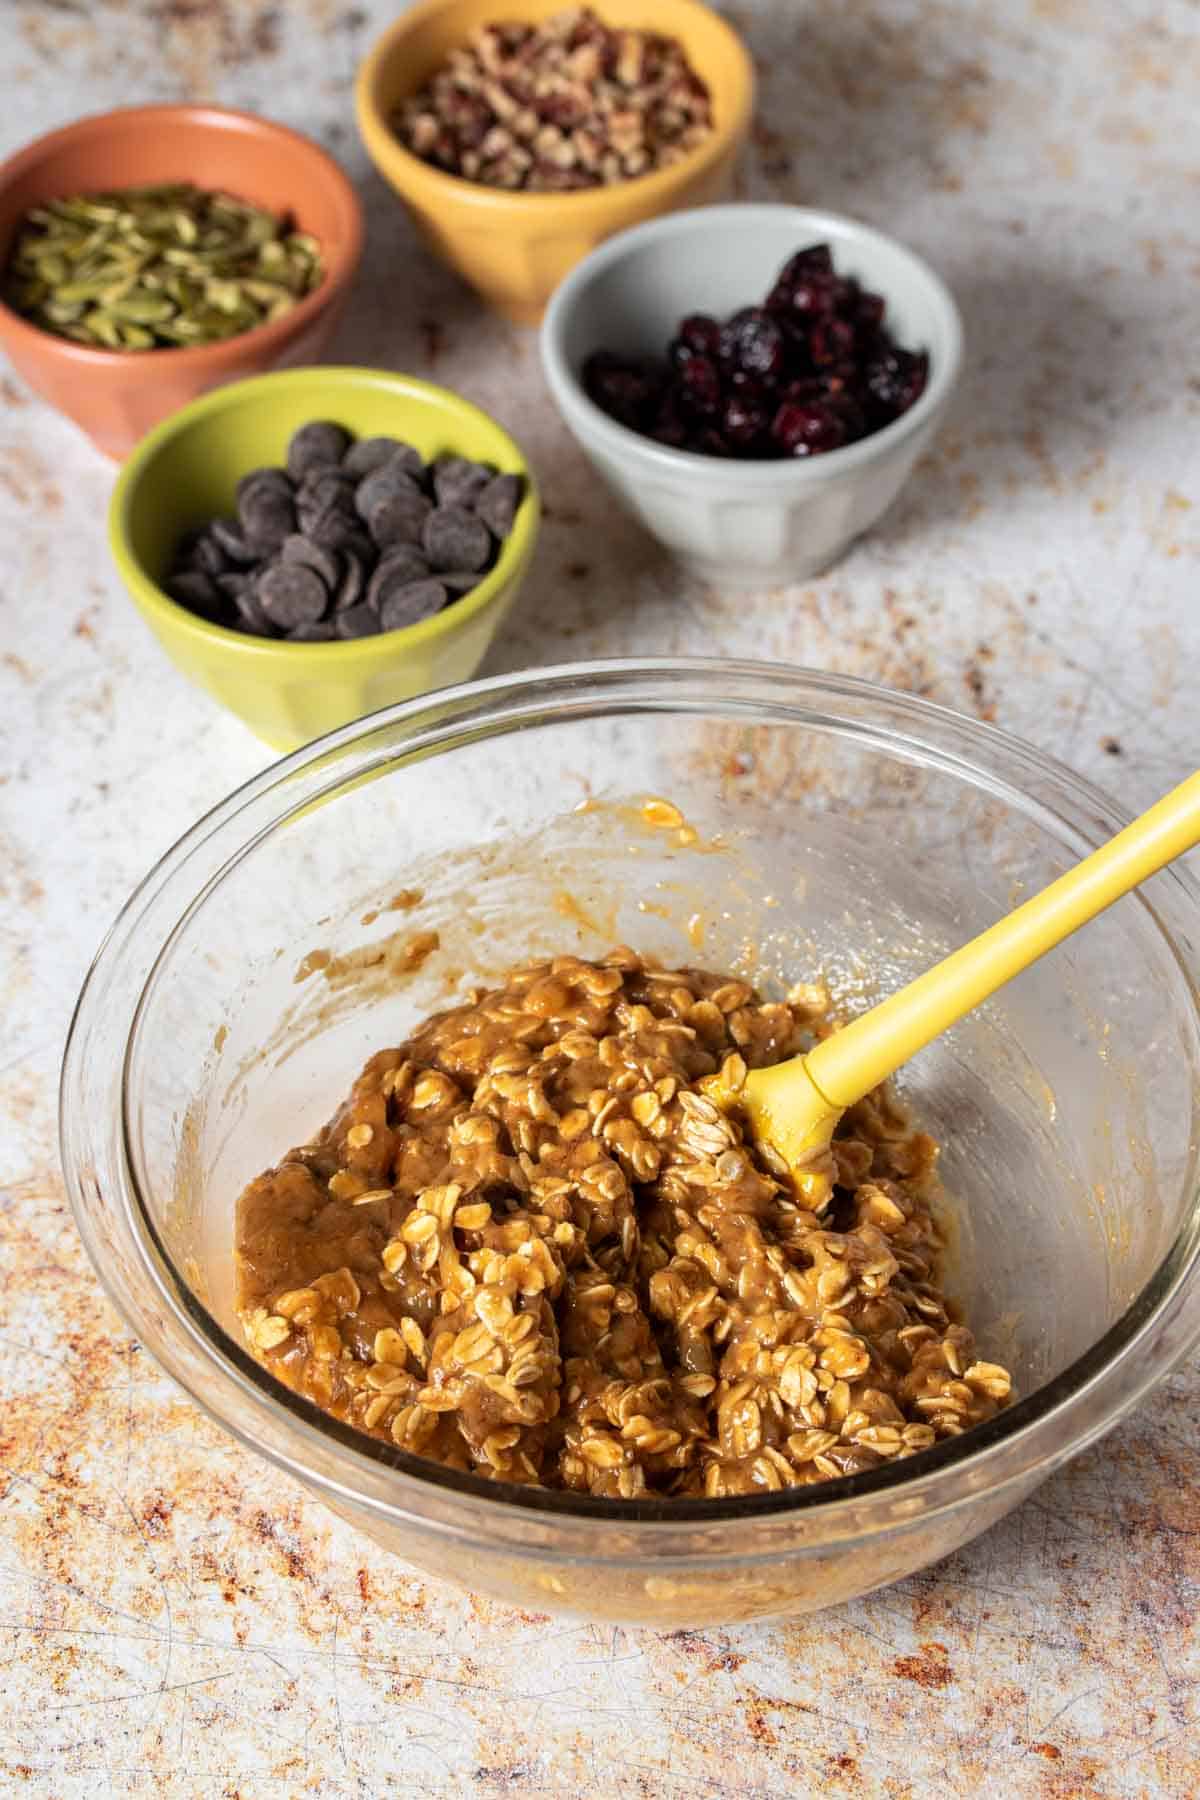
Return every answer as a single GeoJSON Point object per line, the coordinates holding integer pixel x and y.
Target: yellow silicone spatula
{"type": "Point", "coordinates": [795, 1106]}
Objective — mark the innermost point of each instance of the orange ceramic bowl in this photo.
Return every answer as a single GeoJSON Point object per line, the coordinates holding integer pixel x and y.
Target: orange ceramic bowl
{"type": "Point", "coordinates": [515, 247]}
{"type": "Point", "coordinates": [117, 395]}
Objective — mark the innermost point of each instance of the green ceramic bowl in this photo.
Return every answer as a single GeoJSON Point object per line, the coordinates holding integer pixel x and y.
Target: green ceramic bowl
{"type": "Point", "coordinates": [185, 472]}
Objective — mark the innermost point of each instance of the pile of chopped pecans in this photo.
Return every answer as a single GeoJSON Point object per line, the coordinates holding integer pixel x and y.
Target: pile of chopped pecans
{"type": "Point", "coordinates": [570, 103]}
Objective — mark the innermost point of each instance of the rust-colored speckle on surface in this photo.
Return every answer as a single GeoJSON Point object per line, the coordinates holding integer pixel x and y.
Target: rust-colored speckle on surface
{"type": "Point", "coordinates": [929, 1668]}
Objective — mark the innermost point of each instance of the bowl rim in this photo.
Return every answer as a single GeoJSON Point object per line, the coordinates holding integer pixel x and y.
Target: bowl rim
{"type": "Point", "coordinates": [733, 474]}
{"type": "Point", "coordinates": [391, 156]}
{"type": "Point", "coordinates": [952, 1475]}
{"type": "Point", "coordinates": [158, 604]}
{"type": "Point", "coordinates": [338, 270]}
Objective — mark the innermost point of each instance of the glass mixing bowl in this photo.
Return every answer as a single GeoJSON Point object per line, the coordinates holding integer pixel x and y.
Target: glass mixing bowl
{"type": "Point", "coordinates": [831, 827]}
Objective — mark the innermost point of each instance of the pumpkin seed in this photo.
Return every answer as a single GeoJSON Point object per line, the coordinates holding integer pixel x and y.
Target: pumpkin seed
{"type": "Point", "coordinates": [156, 267]}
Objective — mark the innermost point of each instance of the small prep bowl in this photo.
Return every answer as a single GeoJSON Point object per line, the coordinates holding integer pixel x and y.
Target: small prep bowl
{"type": "Point", "coordinates": [837, 828]}
{"type": "Point", "coordinates": [752, 523]}
{"type": "Point", "coordinates": [185, 473]}
{"type": "Point", "coordinates": [116, 396]}
{"type": "Point", "coordinates": [515, 248]}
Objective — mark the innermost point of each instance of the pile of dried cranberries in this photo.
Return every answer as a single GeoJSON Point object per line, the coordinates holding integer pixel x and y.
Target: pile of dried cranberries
{"type": "Point", "coordinates": [811, 369]}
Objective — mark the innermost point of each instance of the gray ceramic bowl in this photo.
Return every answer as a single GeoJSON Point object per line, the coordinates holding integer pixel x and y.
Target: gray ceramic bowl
{"type": "Point", "coordinates": [752, 523]}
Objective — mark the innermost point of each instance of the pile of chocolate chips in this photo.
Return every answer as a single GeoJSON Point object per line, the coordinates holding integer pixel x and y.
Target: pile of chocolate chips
{"type": "Point", "coordinates": [811, 369]}
{"type": "Point", "coordinates": [352, 538]}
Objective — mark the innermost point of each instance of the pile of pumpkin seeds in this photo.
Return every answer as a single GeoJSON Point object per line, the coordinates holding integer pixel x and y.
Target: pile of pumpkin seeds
{"type": "Point", "coordinates": [153, 268]}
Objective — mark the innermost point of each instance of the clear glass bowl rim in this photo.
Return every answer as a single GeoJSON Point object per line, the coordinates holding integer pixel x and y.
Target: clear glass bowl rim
{"type": "Point", "coordinates": [1037, 1433]}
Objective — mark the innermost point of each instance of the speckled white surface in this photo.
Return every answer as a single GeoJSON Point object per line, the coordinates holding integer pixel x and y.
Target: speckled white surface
{"type": "Point", "coordinates": [174, 1619]}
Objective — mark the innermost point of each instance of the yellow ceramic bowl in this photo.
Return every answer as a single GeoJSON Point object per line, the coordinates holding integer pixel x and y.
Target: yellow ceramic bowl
{"type": "Point", "coordinates": [516, 248]}
{"type": "Point", "coordinates": [185, 472]}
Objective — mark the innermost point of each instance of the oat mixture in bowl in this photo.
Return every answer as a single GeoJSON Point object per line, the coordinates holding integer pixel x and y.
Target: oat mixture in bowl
{"type": "Point", "coordinates": [528, 1247]}
{"type": "Point", "coordinates": [832, 829]}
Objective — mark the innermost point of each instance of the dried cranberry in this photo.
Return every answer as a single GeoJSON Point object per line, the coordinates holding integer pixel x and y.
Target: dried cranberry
{"type": "Point", "coordinates": [752, 391]}
{"type": "Point", "coordinates": [809, 299]}
{"type": "Point", "coordinates": [710, 443]}
{"type": "Point", "coordinates": [745, 422]}
{"type": "Point", "coordinates": [830, 342]}
{"type": "Point", "coordinates": [670, 429]}
{"type": "Point", "coordinates": [807, 430]}
{"type": "Point", "coordinates": [848, 410]}
{"type": "Point", "coordinates": [701, 383]}
{"type": "Point", "coordinates": [626, 388]}
{"type": "Point", "coordinates": [817, 259]}
{"type": "Point", "coordinates": [869, 310]}
{"type": "Point", "coordinates": [753, 342]}
{"type": "Point", "coordinates": [813, 369]}
{"type": "Point", "coordinates": [895, 378]}
{"type": "Point", "coordinates": [700, 335]}
{"type": "Point", "coordinates": [844, 294]}
{"type": "Point", "coordinates": [808, 391]}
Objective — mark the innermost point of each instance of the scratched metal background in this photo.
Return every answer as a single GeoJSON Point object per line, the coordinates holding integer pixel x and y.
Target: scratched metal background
{"type": "Point", "coordinates": [174, 1619]}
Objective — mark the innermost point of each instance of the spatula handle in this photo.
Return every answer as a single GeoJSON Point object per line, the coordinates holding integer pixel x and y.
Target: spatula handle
{"type": "Point", "coordinates": [849, 1064]}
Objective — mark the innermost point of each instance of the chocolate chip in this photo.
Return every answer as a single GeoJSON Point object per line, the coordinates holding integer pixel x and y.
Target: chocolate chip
{"type": "Point", "coordinates": [197, 591]}
{"type": "Point", "coordinates": [455, 539]}
{"type": "Point", "coordinates": [226, 533]}
{"type": "Point", "coordinates": [459, 482]}
{"type": "Point", "coordinates": [332, 528]}
{"type": "Point", "coordinates": [267, 517]}
{"type": "Point", "coordinates": [354, 579]}
{"type": "Point", "coordinates": [399, 518]}
{"type": "Point", "coordinates": [324, 485]}
{"type": "Point", "coordinates": [343, 539]}
{"type": "Point", "coordinates": [208, 556]}
{"type": "Point", "coordinates": [251, 616]}
{"type": "Point", "coordinates": [314, 556]}
{"type": "Point", "coordinates": [291, 595]}
{"type": "Point", "coordinates": [497, 504]}
{"type": "Point", "coordinates": [401, 564]}
{"type": "Point", "coordinates": [407, 459]}
{"type": "Point", "coordinates": [360, 544]}
{"type": "Point", "coordinates": [381, 485]}
{"type": "Point", "coordinates": [186, 544]}
{"type": "Point", "coordinates": [356, 621]}
{"type": "Point", "coordinates": [274, 479]}
{"type": "Point", "coordinates": [315, 445]}
{"type": "Point", "coordinates": [409, 602]}
{"type": "Point", "coordinates": [368, 454]}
